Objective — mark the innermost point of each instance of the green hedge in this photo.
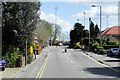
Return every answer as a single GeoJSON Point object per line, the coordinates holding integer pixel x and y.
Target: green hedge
{"type": "Point", "coordinates": [113, 43]}
{"type": "Point", "coordinates": [110, 46]}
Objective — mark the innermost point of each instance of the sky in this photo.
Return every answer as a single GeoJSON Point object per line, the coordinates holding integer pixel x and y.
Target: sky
{"type": "Point", "coordinates": [69, 11]}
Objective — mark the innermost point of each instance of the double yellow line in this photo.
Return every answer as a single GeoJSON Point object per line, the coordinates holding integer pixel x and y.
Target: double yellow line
{"type": "Point", "coordinates": [40, 73]}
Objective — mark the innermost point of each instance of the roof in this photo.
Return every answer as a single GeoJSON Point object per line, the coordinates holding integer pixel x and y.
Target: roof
{"type": "Point", "coordinates": [115, 30]}
{"type": "Point", "coordinates": [105, 31]}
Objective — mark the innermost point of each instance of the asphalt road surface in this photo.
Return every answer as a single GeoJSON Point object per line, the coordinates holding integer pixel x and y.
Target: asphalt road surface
{"type": "Point", "coordinates": [73, 64]}
{"type": "Point", "coordinates": [70, 64]}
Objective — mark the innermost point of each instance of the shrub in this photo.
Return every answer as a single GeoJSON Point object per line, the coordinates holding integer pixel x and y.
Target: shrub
{"type": "Point", "coordinates": [113, 43]}
{"type": "Point", "coordinates": [96, 44]}
{"type": "Point", "coordinates": [11, 57]}
{"type": "Point", "coordinates": [94, 47]}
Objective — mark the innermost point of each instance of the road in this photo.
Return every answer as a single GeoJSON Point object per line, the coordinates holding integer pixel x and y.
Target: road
{"type": "Point", "coordinates": [70, 64]}
{"type": "Point", "coordinates": [73, 64]}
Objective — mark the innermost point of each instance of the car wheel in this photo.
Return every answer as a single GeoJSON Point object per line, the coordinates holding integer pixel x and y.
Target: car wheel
{"type": "Point", "coordinates": [2, 69]}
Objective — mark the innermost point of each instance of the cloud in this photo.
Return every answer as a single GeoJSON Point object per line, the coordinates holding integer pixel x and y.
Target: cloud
{"type": "Point", "coordinates": [65, 25]}
{"type": "Point", "coordinates": [88, 13]}
{"type": "Point", "coordinates": [111, 9]}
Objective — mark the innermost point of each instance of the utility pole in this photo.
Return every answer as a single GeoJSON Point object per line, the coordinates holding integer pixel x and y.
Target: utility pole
{"type": "Point", "coordinates": [100, 7]}
{"type": "Point", "coordinates": [89, 31]}
{"type": "Point", "coordinates": [55, 27]}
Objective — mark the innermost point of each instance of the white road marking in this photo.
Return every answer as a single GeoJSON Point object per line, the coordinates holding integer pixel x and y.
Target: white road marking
{"type": "Point", "coordinates": [71, 61]}
{"type": "Point", "coordinates": [101, 63]}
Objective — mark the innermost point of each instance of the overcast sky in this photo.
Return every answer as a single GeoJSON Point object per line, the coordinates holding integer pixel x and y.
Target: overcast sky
{"type": "Point", "coordinates": [68, 11]}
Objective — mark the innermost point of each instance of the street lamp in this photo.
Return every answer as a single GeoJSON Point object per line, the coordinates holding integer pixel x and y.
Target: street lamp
{"type": "Point", "coordinates": [100, 20]}
{"type": "Point", "coordinates": [107, 21]}
{"type": "Point", "coordinates": [84, 17]}
{"type": "Point", "coordinates": [56, 15]}
{"type": "Point", "coordinates": [89, 31]}
{"type": "Point", "coordinates": [82, 31]}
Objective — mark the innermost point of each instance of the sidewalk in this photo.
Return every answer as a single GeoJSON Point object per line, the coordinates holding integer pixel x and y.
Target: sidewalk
{"type": "Point", "coordinates": [9, 72]}
{"type": "Point", "coordinates": [113, 63]}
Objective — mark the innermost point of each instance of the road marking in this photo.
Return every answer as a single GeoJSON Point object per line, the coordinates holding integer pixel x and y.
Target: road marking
{"type": "Point", "coordinates": [94, 60]}
{"type": "Point", "coordinates": [39, 72]}
{"type": "Point", "coordinates": [82, 71]}
{"type": "Point", "coordinates": [43, 68]}
{"type": "Point", "coordinates": [39, 75]}
{"type": "Point", "coordinates": [68, 58]}
{"type": "Point", "coordinates": [71, 61]}
{"type": "Point", "coordinates": [99, 62]}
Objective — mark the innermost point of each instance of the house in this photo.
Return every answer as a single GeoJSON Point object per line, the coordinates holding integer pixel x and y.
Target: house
{"type": "Point", "coordinates": [113, 33]}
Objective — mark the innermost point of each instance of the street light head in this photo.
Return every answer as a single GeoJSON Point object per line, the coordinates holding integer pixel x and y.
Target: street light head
{"type": "Point", "coordinates": [84, 12]}
{"type": "Point", "coordinates": [56, 8]}
{"type": "Point", "coordinates": [93, 5]}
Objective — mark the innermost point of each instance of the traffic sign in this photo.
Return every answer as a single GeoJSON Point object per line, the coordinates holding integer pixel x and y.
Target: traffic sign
{"type": "Point", "coordinates": [35, 38]}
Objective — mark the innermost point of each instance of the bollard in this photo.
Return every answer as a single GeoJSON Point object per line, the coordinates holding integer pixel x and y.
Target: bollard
{"type": "Point", "coordinates": [65, 50]}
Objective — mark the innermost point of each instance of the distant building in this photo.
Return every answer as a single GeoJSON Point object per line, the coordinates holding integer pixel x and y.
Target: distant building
{"type": "Point", "coordinates": [113, 33]}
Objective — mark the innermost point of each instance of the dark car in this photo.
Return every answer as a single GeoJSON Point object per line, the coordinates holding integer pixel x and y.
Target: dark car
{"type": "Point", "coordinates": [2, 64]}
{"type": "Point", "coordinates": [114, 52]}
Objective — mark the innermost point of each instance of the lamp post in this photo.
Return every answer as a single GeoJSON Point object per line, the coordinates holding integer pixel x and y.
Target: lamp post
{"type": "Point", "coordinates": [107, 21]}
{"type": "Point", "coordinates": [84, 18]}
{"type": "Point", "coordinates": [56, 16]}
{"type": "Point", "coordinates": [100, 20]}
{"type": "Point", "coordinates": [82, 31]}
{"type": "Point", "coordinates": [89, 31]}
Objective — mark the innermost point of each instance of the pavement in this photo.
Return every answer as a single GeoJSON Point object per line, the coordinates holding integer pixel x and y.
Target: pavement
{"type": "Point", "coordinates": [10, 72]}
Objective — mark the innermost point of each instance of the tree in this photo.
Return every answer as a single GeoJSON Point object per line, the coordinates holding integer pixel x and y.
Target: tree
{"type": "Point", "coordinates": [18, 24]}
{"type": "Point", "coordinates": [85, 33]}
{"type": "Point", "coordinates": [56, 32]}
{"type": "Point", "coordinates": [43, 31]}
{"type": "Point", "coordinates": [76, 34]}
{"type": "Point", "coordinates": [72, 38]}
{"type": "Point", "coordinates": [78, 31]}
{"type": "Point", "coordinates": [97, 31]}
{"type": "Point", "coordinates": [92, 29]}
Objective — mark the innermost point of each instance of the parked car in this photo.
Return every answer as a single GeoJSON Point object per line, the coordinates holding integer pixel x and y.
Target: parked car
{"type": "Point", "coordinates": [60, 44]}
{"type": "Point", "coordinates": [2, 64]}
{"type": "Point", "coordinates": [114, 52]}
